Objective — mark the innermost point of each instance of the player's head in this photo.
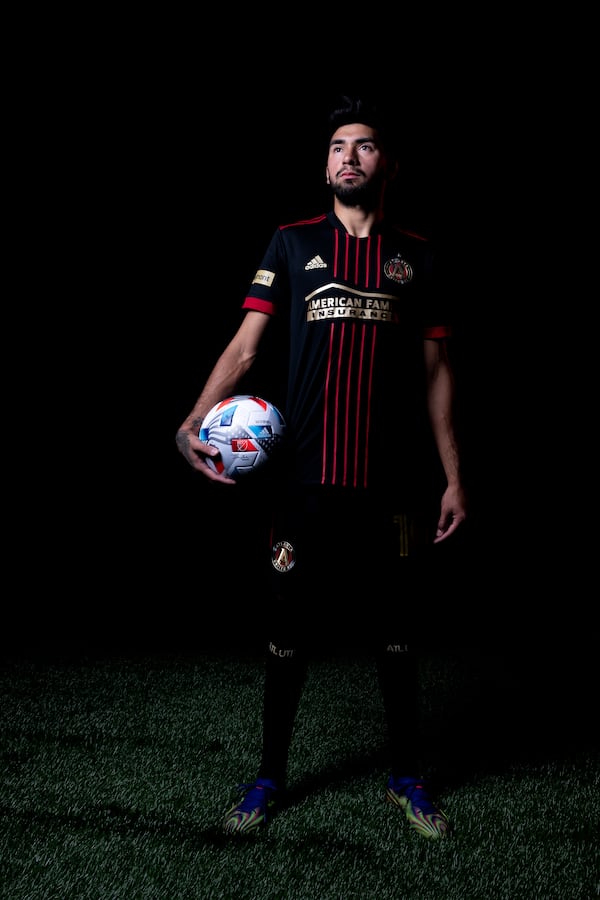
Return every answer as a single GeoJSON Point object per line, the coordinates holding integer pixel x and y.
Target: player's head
{"type": "Point", "coordinates": [368, 111]}
{"type": "Point", "coordinates": [361, 153]}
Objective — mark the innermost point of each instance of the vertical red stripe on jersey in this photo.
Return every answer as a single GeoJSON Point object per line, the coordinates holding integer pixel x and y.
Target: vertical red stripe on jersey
{"type": "Point", "coordinates": [369, 392]}
{"type": "Point", "coordinates": [326, 404]}
{"type": "Point", "coordinates": [336, 401]}
{"type": "Point", "coordinates": [361, 359]}
{"type": "Point", "coordinates": [378, 264]}
{"type": "Point", "coordinates": [336, 250]}
{"type": "Point", "coordinates": [347, 416]}
{"type": "Point", "coordinates": [346, 255]}
{"type": "Point", "coordinates": [368, 261]}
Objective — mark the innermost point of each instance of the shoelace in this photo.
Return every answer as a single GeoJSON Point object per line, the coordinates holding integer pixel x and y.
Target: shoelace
{"type": "Point", "coordinates": [255, 795]}
{"type": "Point", "coordinates": [418, 796]}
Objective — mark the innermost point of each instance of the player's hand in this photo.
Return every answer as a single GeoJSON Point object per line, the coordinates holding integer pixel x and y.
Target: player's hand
{"type": "Point", "coordinates": [453, 511]}
{"type": "Point", "coordinates": [195, 452]}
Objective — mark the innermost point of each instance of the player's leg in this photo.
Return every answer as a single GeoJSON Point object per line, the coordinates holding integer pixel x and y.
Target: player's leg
{"type": "Point", "coordinates": [397, 661]}
{"type": "Point", "coordinates": [257, 801]}
{"type": "Point", "coordinates": [397, 673]}
{"type": "Point", "coordinates": [285, 671]}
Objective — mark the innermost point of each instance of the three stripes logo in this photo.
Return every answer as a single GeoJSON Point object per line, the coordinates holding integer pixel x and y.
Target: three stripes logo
{"type": "Point", "coordinates": [315, 263]}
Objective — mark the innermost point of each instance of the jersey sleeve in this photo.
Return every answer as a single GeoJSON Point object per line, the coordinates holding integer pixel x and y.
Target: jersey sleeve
{"type": "Point", "coordinates": [437, 331]}
{"type": "Point", "coordinates": [270, 282]}
{"type": "Point", "coordinates": [439, 319]}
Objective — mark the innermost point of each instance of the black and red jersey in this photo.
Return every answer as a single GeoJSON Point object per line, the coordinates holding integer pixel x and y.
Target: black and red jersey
{"type": "Point", "coordinates": [358, 310]}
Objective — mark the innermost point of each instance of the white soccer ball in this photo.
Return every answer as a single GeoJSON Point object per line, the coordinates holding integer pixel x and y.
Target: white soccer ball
{"type": "Point", "coordinates": [246, 430]}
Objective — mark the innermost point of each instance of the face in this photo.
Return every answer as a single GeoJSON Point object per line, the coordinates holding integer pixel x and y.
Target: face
{"type": "Point", "coordinates": [356, 164]}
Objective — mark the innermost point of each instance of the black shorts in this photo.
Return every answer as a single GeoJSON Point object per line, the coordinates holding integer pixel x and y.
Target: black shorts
{"type": "Point", "coordinates": [345, 564]}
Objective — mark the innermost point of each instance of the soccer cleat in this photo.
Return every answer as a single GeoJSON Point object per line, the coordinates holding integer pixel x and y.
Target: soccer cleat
{"type": "Point", "coordinates": [423, 815]}
{"type": "Point", "coordinates": [251, 811]}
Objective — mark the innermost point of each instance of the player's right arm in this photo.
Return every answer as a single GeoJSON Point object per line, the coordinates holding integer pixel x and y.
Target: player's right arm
{"type": "Point", "coordinates": [231, 366]}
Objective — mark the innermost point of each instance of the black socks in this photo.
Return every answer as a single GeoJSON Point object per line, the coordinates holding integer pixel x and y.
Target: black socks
{"type": "Point", "coordinates": [285, 672]}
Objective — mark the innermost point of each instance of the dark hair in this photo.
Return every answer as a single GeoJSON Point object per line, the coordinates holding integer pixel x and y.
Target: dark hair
{"type": "Point", "coordinates": [368, 111]}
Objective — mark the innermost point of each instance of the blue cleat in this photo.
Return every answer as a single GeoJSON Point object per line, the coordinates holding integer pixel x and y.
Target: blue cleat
{"type": "Point", "coordinates": [252, 809]}
{"type": "Point", "coordinates": [423, 815]}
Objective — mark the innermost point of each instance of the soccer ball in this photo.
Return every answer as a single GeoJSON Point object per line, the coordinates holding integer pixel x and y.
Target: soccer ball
{"type": "Point", "coordinates": [247, 431]}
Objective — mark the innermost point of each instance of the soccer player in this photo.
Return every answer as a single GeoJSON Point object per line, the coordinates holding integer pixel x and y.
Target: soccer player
{"type": "Point", "coordinates": [370, 409]}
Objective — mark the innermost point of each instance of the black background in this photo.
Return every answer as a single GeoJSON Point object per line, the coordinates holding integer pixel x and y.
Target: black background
{"type": "Point", "coordinates": [129, 291]}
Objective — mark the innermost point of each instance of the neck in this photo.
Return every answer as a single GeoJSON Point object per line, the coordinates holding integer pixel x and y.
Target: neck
{"type": "Point", "coordinates": [357, 221]}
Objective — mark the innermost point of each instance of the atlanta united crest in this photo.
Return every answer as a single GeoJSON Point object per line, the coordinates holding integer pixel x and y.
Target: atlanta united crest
{"type": "Point", "coordinates": [398, 270]}
{"type": "Point", "coordinates": [283, 557]}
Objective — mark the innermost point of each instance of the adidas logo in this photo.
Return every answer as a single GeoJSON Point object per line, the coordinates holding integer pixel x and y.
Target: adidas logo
{"type": "Point", "coordinates": [315, 263]}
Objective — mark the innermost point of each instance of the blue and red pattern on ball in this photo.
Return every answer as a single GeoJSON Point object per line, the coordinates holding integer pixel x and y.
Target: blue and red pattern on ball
{"type": "Point", "coordinates": [246, 429]}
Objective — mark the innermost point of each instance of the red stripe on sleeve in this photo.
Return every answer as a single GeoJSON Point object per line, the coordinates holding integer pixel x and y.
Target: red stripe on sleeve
{"type": "Point", "coordinates": [264, 306]}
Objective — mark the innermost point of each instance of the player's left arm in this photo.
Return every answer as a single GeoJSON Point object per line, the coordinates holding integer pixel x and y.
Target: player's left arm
{"type": "Point", "coordinates": [441, 389]}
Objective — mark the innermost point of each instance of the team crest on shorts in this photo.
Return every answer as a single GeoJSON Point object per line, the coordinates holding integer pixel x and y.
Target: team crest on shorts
{"type": "Point", "coordinates": [283, 556]}
{"type": "Point", "coordinates": [398, 270]}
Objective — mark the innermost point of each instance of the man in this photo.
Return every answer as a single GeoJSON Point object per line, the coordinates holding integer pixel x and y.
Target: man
{"type": "Point", "coordinates": [370, 390]}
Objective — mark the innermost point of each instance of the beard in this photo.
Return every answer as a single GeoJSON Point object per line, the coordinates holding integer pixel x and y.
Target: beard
{"type": "Point", "coordinates": [366, 195]}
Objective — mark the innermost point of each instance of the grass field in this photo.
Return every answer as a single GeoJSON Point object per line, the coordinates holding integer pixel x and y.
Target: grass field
{"type": "Point", "coordinates": [116, 769]}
